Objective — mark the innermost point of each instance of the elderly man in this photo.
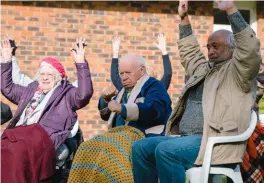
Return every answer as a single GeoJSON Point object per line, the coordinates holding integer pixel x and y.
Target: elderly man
{"type": "Point", "coordinates": [140, 109]}
{"type": "Point", "coordinates": [216, 101]}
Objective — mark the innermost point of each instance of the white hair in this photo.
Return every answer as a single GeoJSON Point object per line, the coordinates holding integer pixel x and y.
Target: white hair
{"type": "Point", "coordinates": [230, 41]}
{"type": "Point", "coordinates": [58, 77]}
{"type": "Point", "coordinates": [134, 58]}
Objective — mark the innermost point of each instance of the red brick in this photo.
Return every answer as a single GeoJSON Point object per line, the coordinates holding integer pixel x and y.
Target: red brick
{"type": "Point", "coordinates": [47, 30]}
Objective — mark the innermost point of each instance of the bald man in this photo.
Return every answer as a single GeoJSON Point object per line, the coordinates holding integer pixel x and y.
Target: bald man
{"type": "Point", "coordinates": [141, 109]}
{"type": "Point", "coordinates": [216, 101]}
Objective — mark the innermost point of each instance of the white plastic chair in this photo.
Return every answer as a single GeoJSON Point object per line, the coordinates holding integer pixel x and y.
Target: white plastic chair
{"type": "Point", "coordinates": [201, 174]}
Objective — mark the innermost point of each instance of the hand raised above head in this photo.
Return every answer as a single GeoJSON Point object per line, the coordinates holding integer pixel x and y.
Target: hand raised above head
{"type": "Point", "coordinates": [183, 7]}
{"type": "Point", "coordinates": [12, 43]}
{"type": "Point", "coordinates": [161, 45]}
{"type": "Point", "coordinates": [226, 5]}
{"type": "Point", "coordinates": [116, 45]}
{"type": "Point", "coordinates": [6, 50]}
{"type": "Point", "coordinates": [78, 50]}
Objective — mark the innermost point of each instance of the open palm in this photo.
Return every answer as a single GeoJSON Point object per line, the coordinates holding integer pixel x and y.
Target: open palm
{"type": "Point", "coordinates": [79, 51]}
{"type": "Point", "coordinates": [6, 50]}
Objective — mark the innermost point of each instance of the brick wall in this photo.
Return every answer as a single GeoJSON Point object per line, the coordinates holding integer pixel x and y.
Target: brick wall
{"type": "Point", "coordinates": [49, 28]}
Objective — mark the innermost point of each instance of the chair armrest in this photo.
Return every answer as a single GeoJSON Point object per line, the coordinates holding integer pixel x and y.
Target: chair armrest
{"type": "Point", "coordinates": [238, 138]}
{"type": "Point", "coordinates": [227, 139]}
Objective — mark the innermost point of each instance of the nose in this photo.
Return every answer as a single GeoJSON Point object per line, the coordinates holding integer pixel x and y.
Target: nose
{"type": "Point", "coordinates": [210, 52]}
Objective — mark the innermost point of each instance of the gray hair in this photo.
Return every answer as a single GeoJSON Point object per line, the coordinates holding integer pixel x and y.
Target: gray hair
{"type": "Point", "coordinates": [133, 57]}
{"type": "Point", "coordinates": [230, 41]}
{"type": "Point", "coordinates": [58, 77]}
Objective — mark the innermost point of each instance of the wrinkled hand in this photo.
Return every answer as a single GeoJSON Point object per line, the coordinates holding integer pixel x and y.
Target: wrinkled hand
{"type": "Point", "coordinates": [116, 46]}
{"type": "Point", "coordinates": [226, 5]}
{"type": "Point", "coordinates": [109, 92]}
{"type": "Point", "coordinates": [78, 50]}
{"type": "Point", "coordinates": [183, 7]}
{"type": "Point", "coordinates": [161, 45]}
{"type": "Point", "coordinates": [6, 50]}
{"type": "Point", "coordinates": [114, 106]}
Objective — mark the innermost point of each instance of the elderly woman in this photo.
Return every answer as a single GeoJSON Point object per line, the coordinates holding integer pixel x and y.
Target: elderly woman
{"type": "Point", "coordinates": [45, 115]}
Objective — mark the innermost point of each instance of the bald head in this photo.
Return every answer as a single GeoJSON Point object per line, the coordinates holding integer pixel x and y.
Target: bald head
{"type": "Point", "coordinates": [220, 45]}
{"type": "Point", "coordinates": [131, 69]}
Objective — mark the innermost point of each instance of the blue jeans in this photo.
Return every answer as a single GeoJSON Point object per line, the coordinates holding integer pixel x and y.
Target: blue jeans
{"type": "Point", "coordinates": [166, 158]}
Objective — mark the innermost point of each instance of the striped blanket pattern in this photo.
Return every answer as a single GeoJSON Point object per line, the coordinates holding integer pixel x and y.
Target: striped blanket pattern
{"type": "Point", "coordinates": [106, 158]}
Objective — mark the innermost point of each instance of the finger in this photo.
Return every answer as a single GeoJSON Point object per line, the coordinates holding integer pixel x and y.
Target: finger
{"type": "Point", "coordinates": [80, 44]}
{"type": "Point", "coordinates": [157, 45]}
{"type": "Point", "coordinates": [76, 47]}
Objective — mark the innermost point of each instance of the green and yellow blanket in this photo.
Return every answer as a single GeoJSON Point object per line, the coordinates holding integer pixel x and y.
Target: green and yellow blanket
{"type": "Point", "coordinates": [106, 158]}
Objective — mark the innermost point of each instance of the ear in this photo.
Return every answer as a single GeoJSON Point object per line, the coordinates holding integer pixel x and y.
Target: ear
{"type": "Point", "coordinates": [143, 71]}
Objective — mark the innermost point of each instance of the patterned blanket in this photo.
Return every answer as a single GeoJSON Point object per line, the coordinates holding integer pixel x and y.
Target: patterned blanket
{"type": "Point", "coordinates": [252, 168]}
{"type": "Point", "coordinates": [106, 158]}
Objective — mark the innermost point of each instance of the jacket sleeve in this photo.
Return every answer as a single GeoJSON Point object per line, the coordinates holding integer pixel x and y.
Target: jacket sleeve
{"type": "Point", "coordinates": [17, 76]}
{"type": "Point", "coordinates": [246, 56]}
{"type": "Point", "coordinates": [80, 96]}
{"type": "Point", "coordinates": [115, 74]}
{"type": "Point", "coordinates": [155, 109]}
{"type": "Point", "coordinates": [166, 78]}
{"type": "Point", "coordinates": [11, 91]}
{"type": "Point", "coordinates": [6, 113]}
{"type": "Point", "coordinates": [189, 49]}
{"type": "Point", "coordinates": [103, 109]}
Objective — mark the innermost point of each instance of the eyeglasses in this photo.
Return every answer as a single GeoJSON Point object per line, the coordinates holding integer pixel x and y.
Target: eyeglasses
{"type": "Point", "coordinates": [48, 75]}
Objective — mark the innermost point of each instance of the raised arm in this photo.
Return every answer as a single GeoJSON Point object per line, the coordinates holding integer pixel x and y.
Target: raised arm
{"type": "Point", "coordinates": [17, 76]}
{"type": "Point", "coordinates": [80, 96]}
{"type": "Point", "coordinates": [11, 91]}
{"type": "Point", "coordinates": [114, 65]}
{"type": "Point", "coordinates": [167, 74]}
{"type": "Point", "coordinates": [189, 48]}
{"type": "Point", "coordinates": [246, 56]}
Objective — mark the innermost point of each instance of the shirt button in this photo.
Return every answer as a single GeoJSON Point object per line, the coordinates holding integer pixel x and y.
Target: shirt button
{"type": "Point", "coordinates": [221, 128]}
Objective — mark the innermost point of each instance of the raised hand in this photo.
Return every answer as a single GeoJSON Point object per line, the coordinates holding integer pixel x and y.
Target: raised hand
{"type": "Point", "coordinates": [6, 50]}
{"type": "Point", "coordinates": [78, 50]}
{"type": "Point", "coordinates": [109, 92]}
{"type": "Point", "coordinates": [226, 5]}
{"type": "Point", "coordinates": [183, 8]}
{"type": "Point", "coordinates": [161, 45]}
{"type": "Point", "coordinates": [116, 46]}
{"type": "Point", "coordinates": [12, 43]}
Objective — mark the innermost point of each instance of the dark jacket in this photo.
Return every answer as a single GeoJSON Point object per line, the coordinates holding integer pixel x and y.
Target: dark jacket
{"type": "Point", "coordinates": [166, 78]}
{"type": "Point", "coordinates": [6, 113]}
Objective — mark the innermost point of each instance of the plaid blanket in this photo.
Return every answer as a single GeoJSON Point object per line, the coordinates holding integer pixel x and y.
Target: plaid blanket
{"type": "Point", "coordinates": [252, 168]}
